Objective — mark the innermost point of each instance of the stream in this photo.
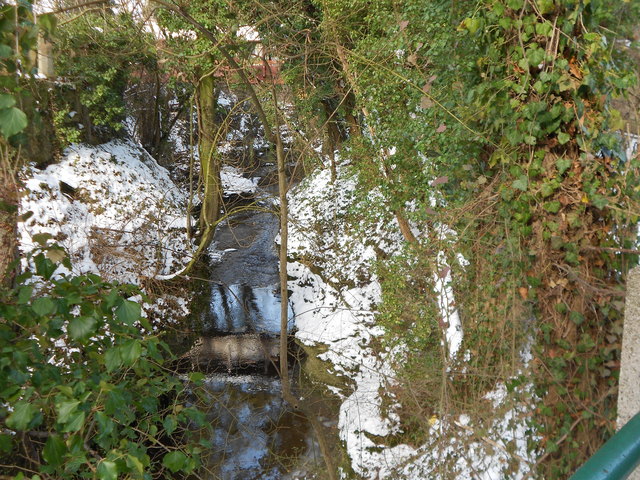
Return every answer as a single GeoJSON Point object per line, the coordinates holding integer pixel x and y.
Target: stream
{"type": "Point", "coordinates": [256, 435]}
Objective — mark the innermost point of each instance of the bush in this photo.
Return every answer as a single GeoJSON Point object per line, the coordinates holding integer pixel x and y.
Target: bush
{"type": "Point", "coordinates": [84, 391]}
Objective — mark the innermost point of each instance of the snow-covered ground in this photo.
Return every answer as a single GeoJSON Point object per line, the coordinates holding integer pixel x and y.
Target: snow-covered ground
{"type": "Point", "coordinates": [115, 210]}
{"type": "Point", "coordinates": [337, 308]}
{"type": "Point", "coordinates": [112, 207]}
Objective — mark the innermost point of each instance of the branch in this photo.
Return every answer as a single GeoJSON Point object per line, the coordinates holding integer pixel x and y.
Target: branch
{"type": "Point", "coordinates": [232, 62]}
{"type": "Point", "coordinates": [76, 7]}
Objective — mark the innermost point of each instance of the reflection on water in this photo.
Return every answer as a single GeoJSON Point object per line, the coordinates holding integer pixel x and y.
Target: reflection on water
{"type": "Point", "coordinates": [243, 308]}
{"type": "Point", "coordinates": [255, 434]}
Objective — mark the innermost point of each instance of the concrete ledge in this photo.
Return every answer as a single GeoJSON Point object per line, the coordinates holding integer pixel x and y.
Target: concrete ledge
{"type": "Point", "coordinates": [629, 388]}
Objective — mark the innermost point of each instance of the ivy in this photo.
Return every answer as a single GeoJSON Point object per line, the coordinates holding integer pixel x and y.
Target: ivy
{"type": "Point", "coordinates": [82, 384]}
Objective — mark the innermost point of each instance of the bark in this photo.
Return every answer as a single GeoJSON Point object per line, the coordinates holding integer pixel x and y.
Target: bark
{"type": "Point", "coordinates": [8, 229]}
{"type": "Point", "coordinates": [209, 159]}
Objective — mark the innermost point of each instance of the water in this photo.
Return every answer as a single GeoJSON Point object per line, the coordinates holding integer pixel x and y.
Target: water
{"type": "Point", "coordinates": [255, 434]}
{"type": "Point", "coordinates": [242, 308]}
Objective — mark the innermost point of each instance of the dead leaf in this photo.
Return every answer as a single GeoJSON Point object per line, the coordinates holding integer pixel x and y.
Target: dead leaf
{"type": "Point", "coordinates": [412, 59]}
{"type": "Point", "coordinates": [444, 272]}
{"type": "Point", "coordinates": [441, 128]}
{"type": "Point", "coordinates": [403, 24]}
{"type": "Point", "coordinates": [426, 102]}
{"type": "Point", "coordinates": [524, 292]}
{"type": "Point", "coordinates": [440, 181]}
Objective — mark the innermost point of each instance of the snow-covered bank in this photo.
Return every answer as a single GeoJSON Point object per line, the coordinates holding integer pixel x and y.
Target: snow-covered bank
{"type": "Point", "coordinates": [115, 210]}
{"type": "Point", "coordinates": [112, 207]}
{"type": "Point", "coordinates": [335, 297]}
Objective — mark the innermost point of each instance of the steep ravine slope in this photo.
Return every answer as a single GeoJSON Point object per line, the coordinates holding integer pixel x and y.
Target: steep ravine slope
{"type": "Point", "coordinates": [334, 298]}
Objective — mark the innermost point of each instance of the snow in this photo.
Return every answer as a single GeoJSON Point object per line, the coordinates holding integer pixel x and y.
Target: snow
{"type": "Point", "coordinates": [122, 216]}
{"type": "Point", "coordinates": [335, 305]}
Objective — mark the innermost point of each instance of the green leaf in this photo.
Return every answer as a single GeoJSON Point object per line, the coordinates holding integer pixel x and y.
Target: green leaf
{"type": "Point", "coordinates": [130, 351]}
{"type": "Point", "coordinates": [43, 306]}
{"type": "Point", "coordinates": [6, 442]}
{"type": "Point", "coordinates": [24, 294]}
{"type": "Point", "coordinates": [66, 409]}
{"type": "Point", "coordinates": [75, 423]}
{"type": "Point", "coordinates": [47, 22]}
{"type": "Point", "coordinates": [6, 100]}
{"type": "Point", "coordinates": [472, 24]}
{"type": "Point", "coordinates": [128, 312]}
{"type": "Point", "coordinates": [563, 164]}
{"type": "Point", "coordinates": [112, 359]}
{"type": "Point", "coordinates": [82, 327]}
{"type": "Point", "coordinates": [196, 377]}
{"type": "Point", "coordinates": [563, 138]}
{"type": "Point", "coordinates": [599, 201]}
{"type": "Point", "coordinates": [522, 183]}
{"type": "Point", "coordinates": [107, 470]}
{"type": "Point", "coordinates": [546, 6]}
{"type": "Point", "coordinates": [44, 266]}
{"type": "Point", "coordinates": [170, 423]}
{"type": "Point", "coordinates": [22, 414]}
{"type": "Point", "coordinates": [54, 451]}
{"type": "Point", "coordinates": [5, 51]}
{"type": "Point", "coordinates": [552, 207]}
{"type": "Point", "coordinates": [174, 461]}
{"type": "Point", "coordinates": [135, 462]}
{"type": "Point", "coordinates": [12, 121]}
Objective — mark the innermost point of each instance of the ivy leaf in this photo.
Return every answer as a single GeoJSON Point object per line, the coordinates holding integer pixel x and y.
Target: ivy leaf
{"type": "Point", "coordinates": [12, 121]}
{"type": "Point", "coordinates": [43, 306]}
{"type": "Point", "coordinates": [522, 183]}
{"type": "Point", "coordinates": [112, 359]}
{"type": "Point", "coordinates": [54, 451]}
{"type": "Point", "coordinates": [7, 101]}
{"type": "Point", "coordinates": [24, 294]}
{"type": "Point", "coordinates": [107, 470]}
{"type": "Point", "coordinates": [66, 409]}
{"type": "Point", "coordinates": [82, 327]}
{"type": "Point", "coordinates": [552, 207]}
{"type": "Point", "coordinates": [6, 442]}
{"type": "Point", "coordinates": [563, 164]}
{"type": "Point", "coordinates": [599, 201]}
{"type": "Point", "coordinates": [130, 351]}
{"type": "Point", "coordinates": [5, 51]}
{"type": "Point", "coordinates": [76, 421]}
{"type": "Point", "coordinates": [128, 312]}
{"type": "Point", "coordinates": [135, 463]}
{"type": "Point", "coordinates": [563, 138]}
{"type": "Point", "coordinates": [170, 423]}
{"type": "Point", "coordinates": [174, 461]}
{"type": "Point", "coordinates": [22, 414]}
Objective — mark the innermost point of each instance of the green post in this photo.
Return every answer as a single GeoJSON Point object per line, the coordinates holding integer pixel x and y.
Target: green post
{"type": "Point", "coordinates": [617, 458]}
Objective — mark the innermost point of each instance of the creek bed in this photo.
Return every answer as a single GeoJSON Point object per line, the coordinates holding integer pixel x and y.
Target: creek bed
{"type": "Point", "coordinates": [235, 335]}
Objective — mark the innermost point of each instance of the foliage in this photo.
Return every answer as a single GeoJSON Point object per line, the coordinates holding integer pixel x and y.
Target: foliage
{"type": "Point", "coordinates": [18, 37]}
{"type": "Point", "coordinates": [494, 116]}
{"type": "Point", "coordinates": [98, 55]}
{"type": "Point", "coordinates": [84, 391]}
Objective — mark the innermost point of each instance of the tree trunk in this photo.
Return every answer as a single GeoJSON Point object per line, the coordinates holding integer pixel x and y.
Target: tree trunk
{"type": "Point", "coordinates": [209, 159]}
{"type": "Point", "coordinates": [8, 229]}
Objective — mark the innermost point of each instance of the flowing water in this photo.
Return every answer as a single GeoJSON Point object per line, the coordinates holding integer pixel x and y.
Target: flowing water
{"type": "Point", "coordinates": [255, 434]}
